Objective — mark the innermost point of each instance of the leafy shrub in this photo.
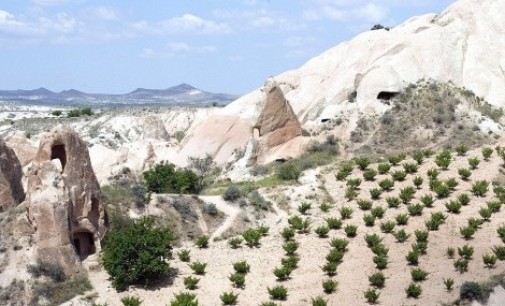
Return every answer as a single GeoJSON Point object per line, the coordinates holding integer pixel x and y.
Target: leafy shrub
{"type": "Point", "coordinates": [407, 194]}
{"type": "Point", "coordinates": [372, 240]}
{"type": "Point", "coordinates": [470, 291]}
{"type": "Point", "coordinates": [494, 206]}
{"type": "Point", "coordinates": [393, 202]}
{"type": "Point", "coordinates": [453, 207]}
{"type": "Point", "coordinates": [184, 299]}
{"type": "Point", "coordinates": [290, 262]}
{"type": "Point", "coordinates": [346, 212]}
{"type": "Point", "coordinates": [131, 301]}
{"type": "Point", "coordinates": [421, 236]}
{"type": "Point", "coordinates": [415, 209]}
{"type": "Point", "coordinates": [52, 270]}
{"type": "Point", "coordinates": [427, 200]}
{"type": "Point", "coordinates": [499, 251]}
{"type": "Point", "coordinates": [278, 293]}
{"type": "Point", "coordinates": [451, 183]}
{"type": "Point", "coordinates": [485, 213]}
{"type": "Point", "coordinates": [466, 251]}
{"type": "Point", "coordinates": [381, 262]}
{"type": "Point", "coordinates": [364, 204]}
{"type": "Point", "coordinates": [399, 175]}
{"type": "Point", "coordinates": [418, 181]}
{"type": "Point", "coordinates": [461, 150]}
{"type": "Point", "coordinates": [351, 230]}
{"type": "Point", "coordinates": [290, 247]}
{"type": "Point", "coordinates": [198, 267]}
{"type": "Point", "coordinates": [282, 273]}
{"type": "Point", "coordinates": [241, 267]}
{"type": "Point", "coordinates": [184, 255]}
{"type": "Point", "coordinates": [486, 153]}
{"type": "Point", "coordinates": [235, 242]}
{"type": "Point", "coordinates": [322, 231]}
{"type": "Point", "coordinates": [354, 183]}
{"type": "Point", "coordinates": [325, 207]}
{"type": "Point", "coordinates": [467, 232]}
{"type": "Point", "coordinates": [378, 212]}
{"type": "Point", "coordinates": [369, 220]}
{"type": "Point", "coordinates": [386, 184]}
{"type": "Point", "coordinates": [202, 242]}
{"type": "Point", "coordinates": [441, 189]}
{"type": "Point", "coordinates": [464, 173]}
{"type": "Point", "coordinates": [334, 256]}
{"type": "Point", "coordinates": [164, 178]}
{"type": "Point", "coordinates": [362, 162]}
{"type": "Point", "coordinates": [383, 168]}
{"type": "Point", "coordinates": [418, 156]}
{"type": "Point", "coordinates": [377, 280]}
{"type": "Point", "coordinates": [433, 173]}
{"type": "Point", "coordinates": [480, 188]}
{"type": "Point", "coordinates": [448, 283]}
{"type": "Point", "coordinates": [330, 286]}
{"type": "Point", "coordinates": [350, 194]}
{"type": "Point", "coordinates": [395, 159]}
{"type": "Point", "coordinates": [252, 237]}
{"type": "Point", "coordinates": [402, 219]}
{"type": "Point", "coordinates": [304, 207]}
{"type": "Point", "coordinates": [330, 268]}
{"type": "Point", "coordinates": [443, 160]}
{"type": "Point", "coordinates": [319, 301]}
{"type": "Point", "coordinates": [410, 168]}
{"type": "Point", "coordinates": [413, 291]}
{"type": "Point", "coordinates": [489, 260]}
{"type": "Point", "coordinates": [418, 274]}
{"type": "Point", "coordinates": [369, 175]}
{"type": "Point", "coordinates": [387, 227]}
{"type": "Point", "coordinates": [288, 171]}
{"type": "Point", "coordinates": [339, 244]}
{"type": "Point", "coordinates": [450, 252]}
{"type": "Point", "coordinates": [413, 257]}
{"type": "Point", "coordinates": [232, 194]}
{"type": "Point", "coordinates": [191, 282]}
{"type": "Point", "coordinates": [372, 296]}
{"type": "Point", "coordinates": [229, 298]}
{"type": "Point", "coordinates": [334, 223]}
{"type": "Point", "coordinates": [137, 253]}
{"type": "Point", "coordinates": [464, 199]}
{"type": "Point", "coordinates": [401, 236]}
{"type": "Point", "coordinates": [473, 162]}
{"type": "Point", "coordinates": [375, 193]}
{"type": "Point", "coordinates": [237, 279]}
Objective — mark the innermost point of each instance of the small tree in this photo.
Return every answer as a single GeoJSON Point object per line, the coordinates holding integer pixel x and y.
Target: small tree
{"type": "Point", "coordinates": [137, 253]}
{"type": "Point", "coordinates": [203, 167]}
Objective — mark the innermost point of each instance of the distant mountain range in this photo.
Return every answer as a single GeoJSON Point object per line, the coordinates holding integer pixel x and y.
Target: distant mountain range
{"type": "Point", "coordinates": [182, 94]}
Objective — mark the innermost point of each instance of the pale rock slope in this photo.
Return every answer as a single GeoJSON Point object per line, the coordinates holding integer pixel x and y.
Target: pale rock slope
{"type": "Point", "coordinates": [463, 45]}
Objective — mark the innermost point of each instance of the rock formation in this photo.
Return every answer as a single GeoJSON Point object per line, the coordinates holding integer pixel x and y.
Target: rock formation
{"type": "Point", "coordinates": [277, 123]}
{"type": "Point", "coordinates": [11, 189]}
{"type": "Point", "coordinates": [65, 200]}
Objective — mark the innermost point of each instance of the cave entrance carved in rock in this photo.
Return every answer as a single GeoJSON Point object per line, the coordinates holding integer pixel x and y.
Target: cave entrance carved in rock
{"type": "Point", "coordinates": [59, 152]}
{"type": "Point", "coordinates": [84, 244]}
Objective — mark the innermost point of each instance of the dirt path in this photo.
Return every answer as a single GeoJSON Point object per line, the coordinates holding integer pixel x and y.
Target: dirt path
{"type": "Point", "coordinates": [231, 211]}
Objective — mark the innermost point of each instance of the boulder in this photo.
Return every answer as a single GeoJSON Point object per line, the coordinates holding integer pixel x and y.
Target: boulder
{"type": "Point", "coordinates": [11, 189]}
{"type": "Point", "coordinates": [65, 205]}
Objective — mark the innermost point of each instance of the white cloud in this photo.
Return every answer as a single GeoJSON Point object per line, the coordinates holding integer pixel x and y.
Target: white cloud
{"type": "Point", "coordinates": [176, 49]}
{"type": "Point", "coordinates": [258, 18]}
{"type": "Point", "coordinates": [41, 28]}
{"type": "Point", "coordinates": [105, 13]}
{"type": "Point", "coordinates": [347, 11]}
{"type": "Point", "coordinates": [54, 2]}
{"type": "Point", "coordinates": [187, 23]}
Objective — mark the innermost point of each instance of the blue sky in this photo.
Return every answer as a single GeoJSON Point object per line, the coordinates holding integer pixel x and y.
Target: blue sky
{"type": "Point", "coordinates": [216, 45]}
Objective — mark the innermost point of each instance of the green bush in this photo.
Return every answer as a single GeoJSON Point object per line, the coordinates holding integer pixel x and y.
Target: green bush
{"type": "Point", "coordinates": [198, 267]}
{"type": "Point", "coordinates": [164, 178]}
{"type": "Point", "coordinates": [485, 213]}
{"type": "Point", "coordinates": [441, 189]}
{"type": "Point", "coordinates": [395, 159]}
{"type": "Point", "coordinates": [413, 291]}
{"type": "Point", "coordinates": [232, 194]}
{"type": "Point", "coordinates": [467, 232]}
{"type": "Point", "coordinates": [415, 209]}
{"type": "Point", "coordinates": [339, 244]}
{"type": "Point", "coordinates": [499, 251]}
{"type": "Point", "coordinates": [282, 273]}
{"type": "Point", "coordinates": [229, 298]}
{"type": "Point", "coordinates": [453, 207]}
{"type": "Point", "coordinates": [304, 207]}
{"type": "Point", "coordinates": [202, 242]}
{"type": "Point", "coordinates": [290, 247]}
{"type": "Point", "coordinates": [364, 204]}
{"type": "Point", "coordinates": [137, 253]}
{"type": "Point", "coordinates": [290, 262]}
{"type": "Point", "coordinates": [235, 242]}
{"type": "Point", "coordinates": [466, 252]}
{"type": "Point", "coordinates": [427, 200]}
{"type": "Point", "coordinates": [464, 173]}
{"type": "Point", "coordinates": [369, 175]}
{"type": "Point", "coordinates": [375, 193]}
{"type": "Point", "coordinates": [480, 188]}
{"type": "Point", "coordinates": [464, 199]}
{"type": "Point", "coordinates": [422, 236]}
{"type": "Point", "coordinates": [461, 265]}
{"type": "Point", "coordinates": [184, 255]}
{"type": "Point", "coordinates": [381, 262]}
{"type": "Point", "coordinates": [330, 286]}
{"type": "Point", "coordinates": [494, 206]}
{"type": "Point", "coordinates": [56, 113]}
{"type": "Point", "coordinates": [252, 237]}
{"type": "Point", "coordinates": [325, 207]}
{"type": "Point", "coordinates": [372, 295]}
{"type": "Point", "coordinates": [191, 282]}
{"type": "Point", "coordinates": [433, 173]}
{"type": "Point", "coordinates": [407, 194]}
{"type": "Point", "coordinates": [448, 283]}
{"type": "Point", "coordinates": [372, 240]}
{"type": "Point", "coordinates": [387, 227]}
{"type": "Point", "coordinates": [386, 184]}
{"type": "Point", "coordinates": [413, 257]}
{"type": "Point", "coordinates": [418, 156]}
{"type": "Point", "coordinates": [461, 150]}
{"type": "Point", "coordinates": [279, 293]}
{"type": "Point", "coordinates": [369, 220]}
{"type": "Point", "coordinates": [486, 153]}
{"type": "Point", "coordinates": [380, 250]}
{"type": "Point", "coordinates": [322, 231]}
{"type": "Point", "coordinates": [418, 274]}
{"type": "Point", "coordinates": [350, 194]}
{"type": "Point", "coordinates": [402, 219]}
{"type": "Point", "coordinates": [410, 168]}
{"type": "Point", "coordinates": [362, 162]}
{"type": "Point", "coordinates": [51, 270]}
{"type": "Point", "coordinates": [418, 181]}
{"type": "Point", "coordinates": [473, 162]}
{"type": "Point", "coordinates": [335, 256]}
{"type": "Point", "coordinates": [451, 183]}
{"type": "Point", "coordinates": [383, 168]}
{"type": "Point", "coordinates": [354, 183]}
{"type": "Point", "coordinates": [401, 236]}
{"type": "Point", "coordinates": [378, 212]}
{"type": "Point", "coordinates": [237, 279]}
{"type": "Point", "coordinates": [399, 175]}
{"type": "Point", "coordinates": [184, 299]}
{"type": "Point", "coordinates": [319, 301]}
{"type": "Point", "coordinates": [334, 223]}
{"type": "Point", "coordinates": [288, 234]}
{"type": "Point", "coordinates": [351, 230]}
{"type": "Point", "coordinates": [288, 171]}
{"type": "Point", "coordinates": [393, 202]}
{"type": "Point", "coordinates": [330, 268]}
{"type": "Point", "coordinates": [241, 267]}
{"type": "Point", "coordinates": [489, 260]}
{"type": "Point", "coordinates": [346, 212]}
{"type": "Point", "coordinates": [443, 160]}
{"type": "Point", "coordinates": [470, 291]}
{"type": "Point", "coordinates": [377, 280]}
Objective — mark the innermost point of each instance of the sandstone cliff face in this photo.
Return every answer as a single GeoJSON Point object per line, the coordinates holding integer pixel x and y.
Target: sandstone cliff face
{"type": "Point", "coordinates": [11, 189]}
{"type": "Point", "coordinates": [65, 200]}
{"type": "Point", "coordinates": [277, 123]}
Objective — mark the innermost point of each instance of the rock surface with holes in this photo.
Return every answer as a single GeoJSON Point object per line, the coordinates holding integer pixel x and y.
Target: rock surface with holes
{"type": "Point", "coordinates": [65, 200]}
{"type": "Point", "coordinates": [11, 189]}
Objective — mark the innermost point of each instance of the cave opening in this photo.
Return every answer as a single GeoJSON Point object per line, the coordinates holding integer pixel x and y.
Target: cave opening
{"type": "Point", "coordinates": [387, 95]}
{"type": "Point", "coordinates": [59, 152]}
{"type": "Point", "coordinates": [84, 244]}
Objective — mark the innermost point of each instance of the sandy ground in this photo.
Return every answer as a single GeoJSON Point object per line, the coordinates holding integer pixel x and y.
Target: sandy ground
{"type": "Point", "coordinates": [352, 274]}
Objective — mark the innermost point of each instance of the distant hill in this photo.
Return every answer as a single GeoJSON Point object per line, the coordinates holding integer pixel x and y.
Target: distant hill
{"type": "Point", "coordinates": [183, 94]}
